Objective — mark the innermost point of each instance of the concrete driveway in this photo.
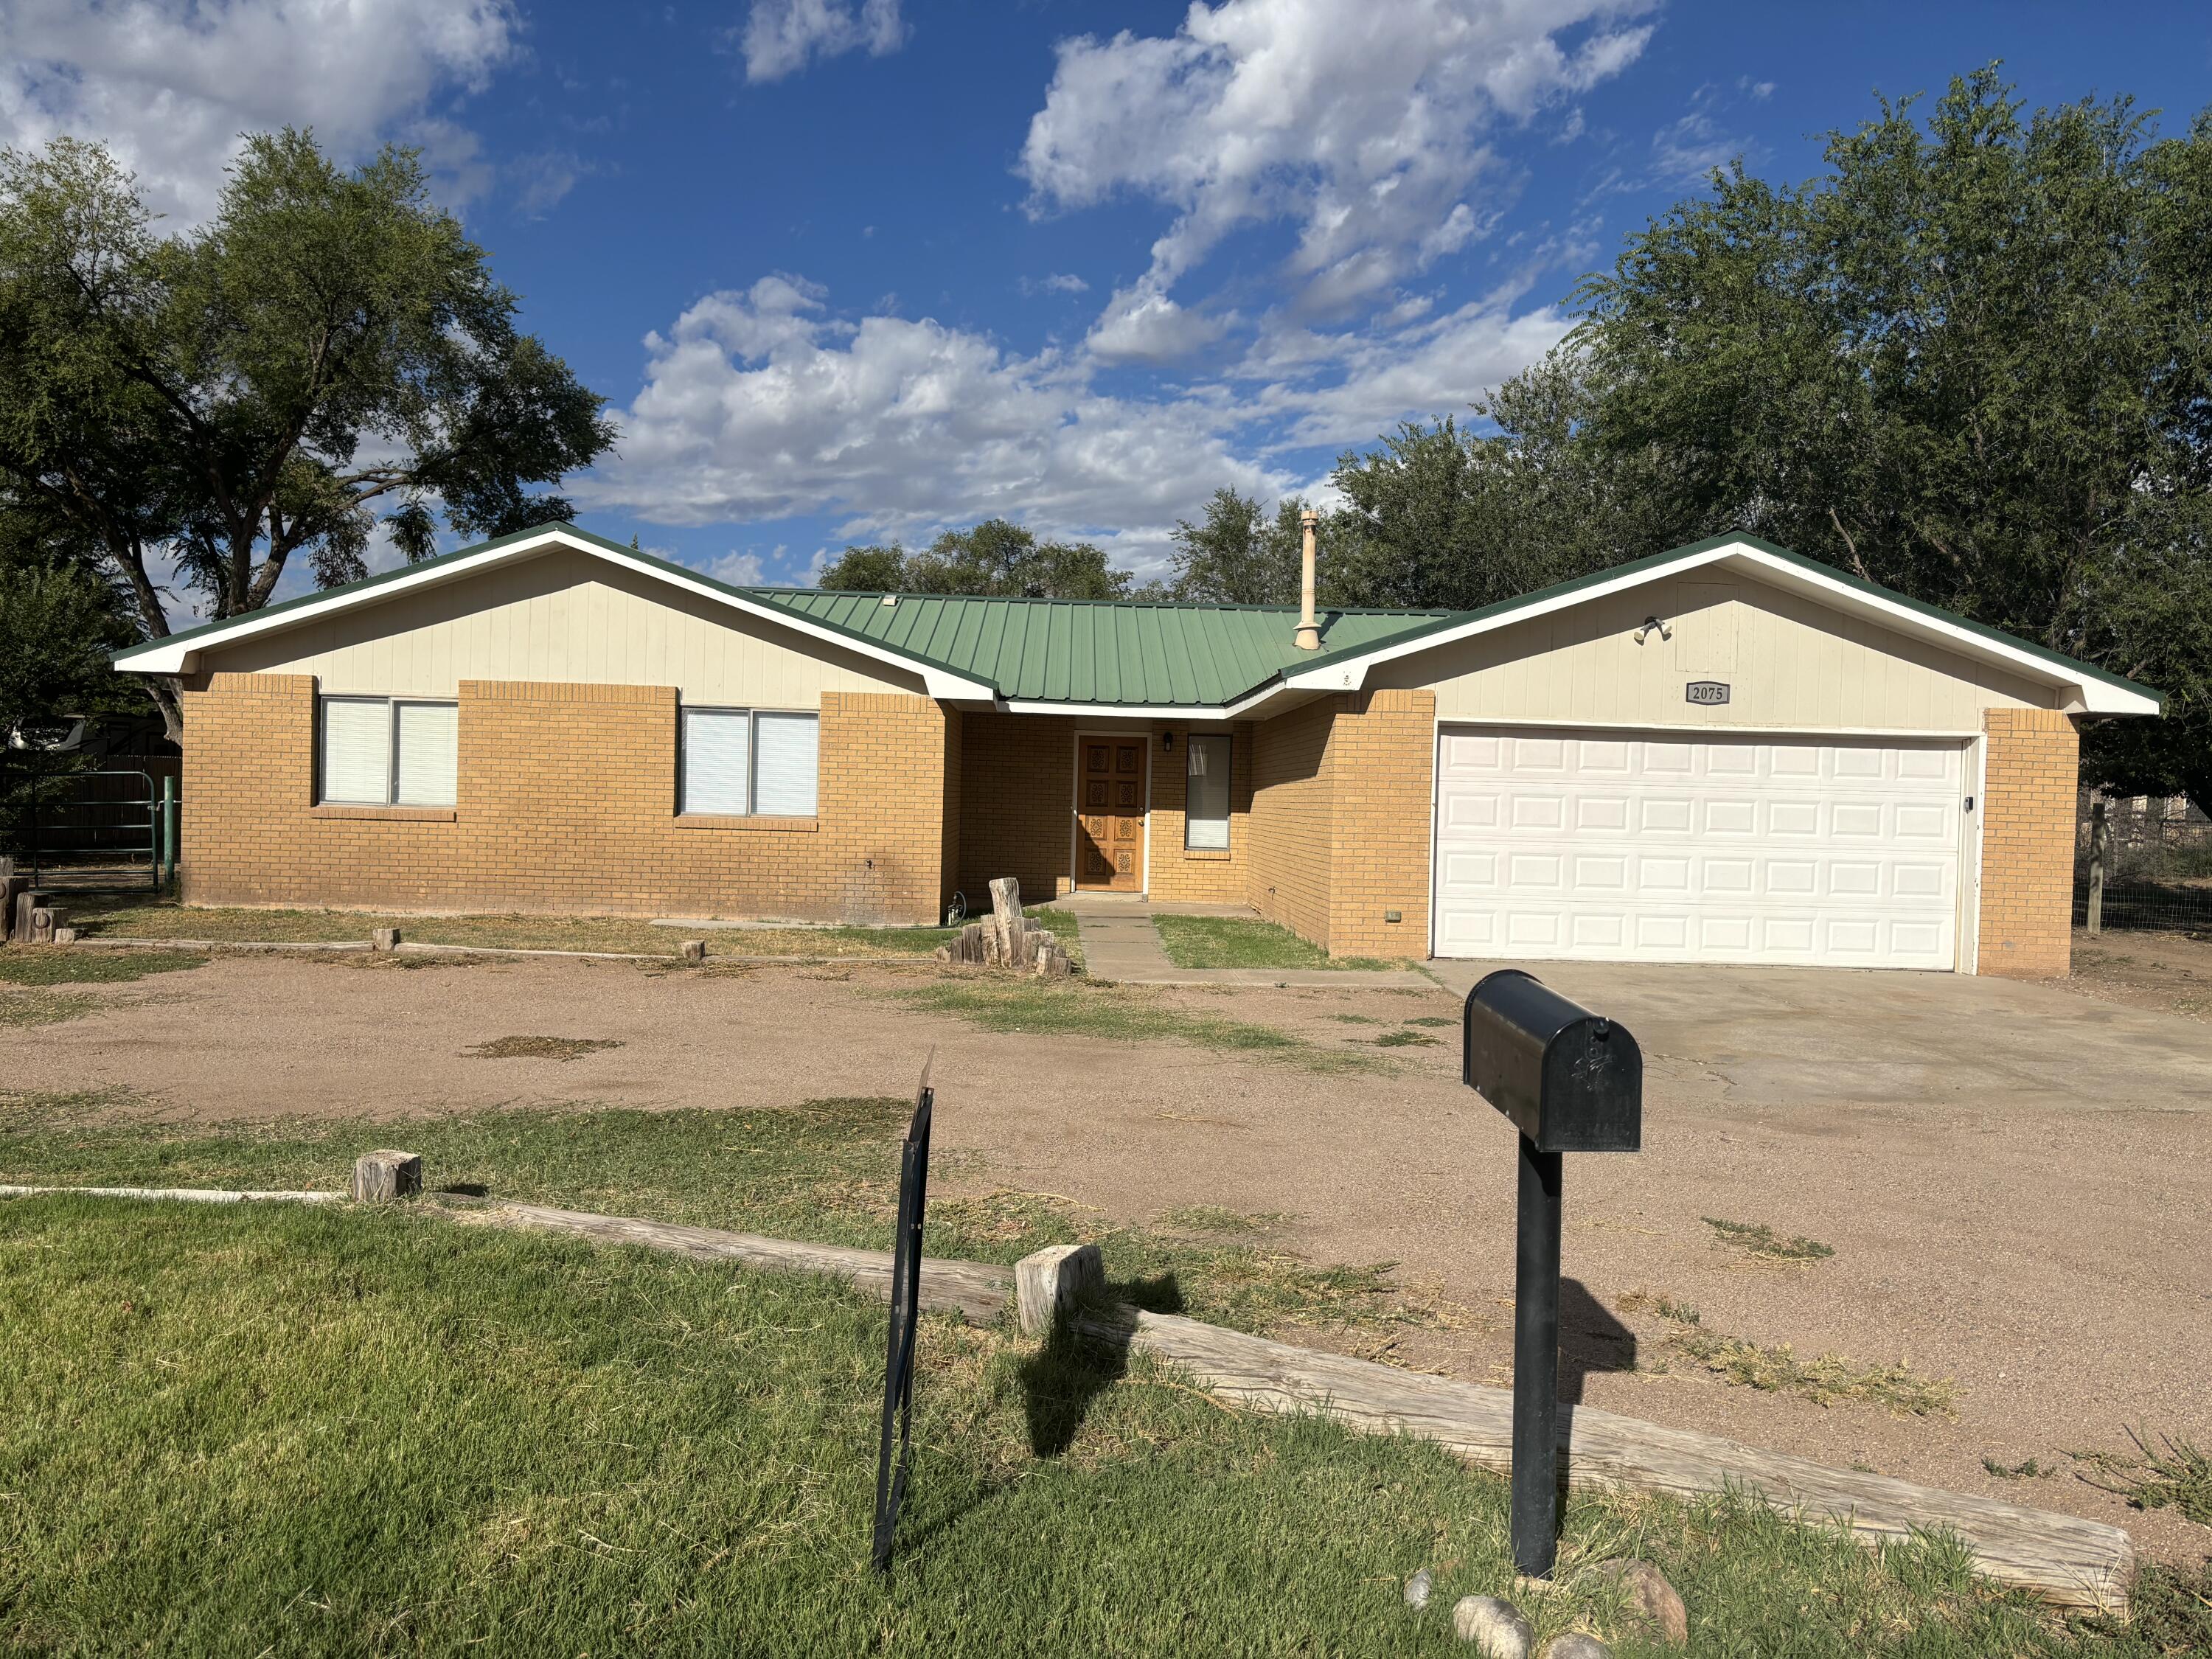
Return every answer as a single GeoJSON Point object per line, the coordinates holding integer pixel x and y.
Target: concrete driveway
{"type": "Point", "coordinates": [1784, 1037]}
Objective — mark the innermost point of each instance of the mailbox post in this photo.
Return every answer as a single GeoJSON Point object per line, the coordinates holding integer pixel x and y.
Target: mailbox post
{"type": "Point", "coordinates": [1570, 1081]}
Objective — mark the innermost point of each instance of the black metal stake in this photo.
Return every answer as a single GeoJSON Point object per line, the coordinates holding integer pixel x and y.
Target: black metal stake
{"type": "Point", "coordinates": [1536, 1364]}
{"type": "Point", "coordinates": [896, 1448]}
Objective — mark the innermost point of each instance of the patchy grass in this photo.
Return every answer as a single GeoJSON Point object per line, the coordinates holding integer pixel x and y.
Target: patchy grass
{"type": "Point", "coordinates": [2175, 1475]}
{"type": "Point", "coordinates": [1231, 942]}
{"type": "Point", "coordinates": [111, 918]}
{"type": "Point", "coordinates": [1122, 1013]}
{"type": "Point", "coordinates": [826, 1171]}
{"type": "Point", "coordinates": [538, 1047]}
{"type": "Point", "coordinates": [1403, 1039]}
{"type": "Point", "coordinates": [290, 1430]}
{"type": "Point", "coordinates": [2028, 1470]}
{"type": "Point", "coordinates": [1827, 1380]}
{"type": "Point", "coordinates": [1758, 1240]}
{"type": "Point", "coordinates": [47, 965]}
{"type": "Point", "coordinates": [1434, 1022]}
{"type": "Point", "coordinates": [19, 1009]}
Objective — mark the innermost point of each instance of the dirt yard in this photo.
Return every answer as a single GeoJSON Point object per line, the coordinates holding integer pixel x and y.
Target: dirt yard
{"type": "Point", "coordinates": [2014, 1181]}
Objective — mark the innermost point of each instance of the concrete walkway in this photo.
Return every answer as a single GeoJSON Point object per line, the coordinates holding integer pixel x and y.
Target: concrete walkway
{"type": "Point", "coordinates": [1120, 943]}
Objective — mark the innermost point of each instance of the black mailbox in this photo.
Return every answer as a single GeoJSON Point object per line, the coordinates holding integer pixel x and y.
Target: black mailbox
{"type": "Point", "coordinates": [1570, 1080]}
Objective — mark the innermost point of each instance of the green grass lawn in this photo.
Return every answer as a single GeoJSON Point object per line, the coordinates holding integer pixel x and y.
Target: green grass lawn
{"type": "Point", "coordinates": [1230, 942]}
{"type": "Point", "coordinates": [134, 917]}
{"type": "Point", "coordinates": [310, 1431]}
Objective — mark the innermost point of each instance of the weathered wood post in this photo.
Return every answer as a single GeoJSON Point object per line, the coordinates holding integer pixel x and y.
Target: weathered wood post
{"type": "Point", "coordinates": [2100, 851]}
{"type": "Point", "coordinates": [384, 1175]}
{"type": "Point", "coordinates": [694, 949]}
{"type": "Point", "coordinates": [1006, 920]}
{"type": "Point", "coordinates": [1050, 1284]}
{"type": "Point", "coordinates": [383, 938]}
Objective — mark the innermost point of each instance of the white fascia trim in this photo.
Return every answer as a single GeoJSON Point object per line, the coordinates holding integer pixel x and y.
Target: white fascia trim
{"type": "Point", "coordinates": [2095, 696]}
{"type": "Point", "coordinates": [1143, 711]}
{"type": "Point", "coordinates": [178, 658]}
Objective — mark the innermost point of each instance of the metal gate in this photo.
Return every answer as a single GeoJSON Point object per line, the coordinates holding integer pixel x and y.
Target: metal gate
{"type": "Point", "coordinates": [98, 829]}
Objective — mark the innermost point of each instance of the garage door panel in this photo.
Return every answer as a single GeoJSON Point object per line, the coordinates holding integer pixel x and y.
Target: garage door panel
{"type": "Point", "coordinates": [1614, 847]}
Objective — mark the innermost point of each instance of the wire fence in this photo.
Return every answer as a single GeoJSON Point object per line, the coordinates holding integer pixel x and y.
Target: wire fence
{"type": "Point", "coordinates": [2141, 862]}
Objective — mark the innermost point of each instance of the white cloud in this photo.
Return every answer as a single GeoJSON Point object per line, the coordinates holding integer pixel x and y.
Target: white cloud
{"type": "Point", "coordinates": [1065, 281]}
{"type": "Point", "coordinates": [763, 403]}
{"type": "Point", "coordinates": [1685, 151]}
{"type": "Point", "coordinates": [782, 36]}
{"type": "Point", "coordinates": [738, 569]}
{"type": "Point", "coordinates": [168, 85]}
{"type": "Point", "coordinates": [1362, 124]}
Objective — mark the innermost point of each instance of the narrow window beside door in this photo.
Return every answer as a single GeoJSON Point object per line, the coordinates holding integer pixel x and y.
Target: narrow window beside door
{"type": "Point", "coordinates": [743, 761]}
{"type": "Point", "coordinates": [1205, 798]}
{"type": "Point", "coordinates": [389, 751]}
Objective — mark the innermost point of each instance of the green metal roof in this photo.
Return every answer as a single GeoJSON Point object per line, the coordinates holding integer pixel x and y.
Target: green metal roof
{"type": "Point", "coordinates": [1096, 650]}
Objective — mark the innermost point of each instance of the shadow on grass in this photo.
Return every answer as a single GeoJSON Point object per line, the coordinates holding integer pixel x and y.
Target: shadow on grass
{"type": "Point", "coordinates": [1071, 1370]}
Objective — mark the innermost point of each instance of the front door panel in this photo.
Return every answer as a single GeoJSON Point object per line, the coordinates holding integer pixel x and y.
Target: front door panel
{"type": "Point", "coordinates": [1110, 799]}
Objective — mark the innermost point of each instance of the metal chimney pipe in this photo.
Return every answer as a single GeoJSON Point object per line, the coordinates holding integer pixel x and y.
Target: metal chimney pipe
{"type": "Point", "coordinates": [1309, 635]}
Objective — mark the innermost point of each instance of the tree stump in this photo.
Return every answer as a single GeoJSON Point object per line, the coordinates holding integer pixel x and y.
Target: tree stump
{"type": "Point", "coordinates": [694, 949]}
{"type": "Point", "coordinates": [384, 1176]}
{"type": "Point", "coordinates": [64, 935]}
{"type": "Point", "coordinates": [42, 924]}
{"type": "Point", "coordinates": [27, 900]}
{"type": "Point", "coordinates": [384, 938]}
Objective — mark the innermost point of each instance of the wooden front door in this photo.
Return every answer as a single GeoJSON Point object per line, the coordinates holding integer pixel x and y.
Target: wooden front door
{"type": "Point", "coordinates": [1110, 799]}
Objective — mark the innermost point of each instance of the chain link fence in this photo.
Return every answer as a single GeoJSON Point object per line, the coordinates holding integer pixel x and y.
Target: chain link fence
{"type": "Point", "coordinates": [2142, 861]}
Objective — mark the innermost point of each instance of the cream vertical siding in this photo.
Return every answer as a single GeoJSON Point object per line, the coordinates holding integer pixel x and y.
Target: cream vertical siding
{"type": "Point", "coordinates": [1790, 663]}
{"type": "Point", "coordinates": [563, 617]}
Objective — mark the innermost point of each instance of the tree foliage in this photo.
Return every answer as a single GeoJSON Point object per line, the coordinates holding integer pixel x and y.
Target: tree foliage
{"type": "Point", "coordinates": [995, 558]}
{"type": "Point", "coordinates": [328, 349]}
{"type": "Point", "coordinates": [1239, 554]}
{"type": "Point", "coordinates": [1972, 362]}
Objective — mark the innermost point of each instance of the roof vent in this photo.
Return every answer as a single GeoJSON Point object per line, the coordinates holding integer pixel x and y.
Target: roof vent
{"type": "Point", "coordinates": [1309, 635]}
{"type": "Point", "coordinates": [889, 598]}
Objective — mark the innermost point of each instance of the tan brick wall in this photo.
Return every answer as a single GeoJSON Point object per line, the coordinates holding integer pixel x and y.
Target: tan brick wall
{"type": "Point", "coordinates": [1195, 875]}
{"type": "Point", "coordinates": [1293, 816]}
{"type": "Point", "coordinates": [2027, 843]}
{"type": "Point", "coordinates": [567, 803]}
{"type": "Point", "coordinates": [1016, 803]}
{"type": "Point", "coordinates": [1382, 757]}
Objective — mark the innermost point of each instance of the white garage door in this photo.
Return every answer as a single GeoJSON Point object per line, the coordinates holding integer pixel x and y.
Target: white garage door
{"type": "Point", "coordinates": [1611, 846]}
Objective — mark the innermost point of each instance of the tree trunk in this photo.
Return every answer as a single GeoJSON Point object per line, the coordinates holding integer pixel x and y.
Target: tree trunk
{"type": "Point", "coordinates": [168, 698]}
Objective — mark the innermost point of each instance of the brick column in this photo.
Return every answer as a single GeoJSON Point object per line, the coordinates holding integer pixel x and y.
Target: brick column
{"type": "Point", "coordinates": [2027, 843]}
{"type": "Point", "coordinates": [1382, 764]}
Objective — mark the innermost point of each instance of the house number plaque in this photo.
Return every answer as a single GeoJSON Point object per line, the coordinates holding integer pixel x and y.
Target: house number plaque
{"type": "Point", "coordinates": [1708, 692]}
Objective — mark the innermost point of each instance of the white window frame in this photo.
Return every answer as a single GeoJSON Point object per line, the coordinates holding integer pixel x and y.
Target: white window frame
{"type": "Point", "coordinates": [1228, 739]}
{"type": "Point", "coordinates": [752, 756]}
{"type": "Point", "coordinates": [392, 705]}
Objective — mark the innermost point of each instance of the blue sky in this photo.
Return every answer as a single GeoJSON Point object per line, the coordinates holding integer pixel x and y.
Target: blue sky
{"type": "Point", "coordinates": [853, 269]}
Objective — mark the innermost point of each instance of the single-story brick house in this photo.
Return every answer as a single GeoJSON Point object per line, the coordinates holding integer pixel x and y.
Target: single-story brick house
{"type": "Point", "coordinates": [1726, 753]}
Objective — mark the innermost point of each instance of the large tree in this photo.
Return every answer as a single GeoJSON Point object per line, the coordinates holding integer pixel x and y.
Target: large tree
{"type": "Point", "coordinates": [1972, 362]}
{"type": "Point", "coordinates": [329, 348]}
{"type": "Point", "coordinates": [993, 558]}
{"type": "Point", "coordinates": [1240, 554]}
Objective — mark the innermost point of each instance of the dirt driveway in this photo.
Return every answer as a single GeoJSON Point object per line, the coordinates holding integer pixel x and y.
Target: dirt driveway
{"type": "Point", "coordinates": [2016, 1181]}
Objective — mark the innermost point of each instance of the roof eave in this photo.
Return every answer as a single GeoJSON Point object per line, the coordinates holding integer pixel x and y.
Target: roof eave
{"type": "Point", "coordinates": [2083, 689]}
{"type": "Point", "coordinates": [180, 655]}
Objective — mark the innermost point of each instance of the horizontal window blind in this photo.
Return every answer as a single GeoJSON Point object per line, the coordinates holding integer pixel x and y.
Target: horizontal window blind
{"type": "Point", "coordinates": [356, 750]}
{"type": "Point", "coordinates": [429, 743]}
{"type": "Point", "coordinates": [1205, 799]}
{"type": "Point", "coordinates": [785, 752]}
{"type": "Point", "coordinates": [715, 755]}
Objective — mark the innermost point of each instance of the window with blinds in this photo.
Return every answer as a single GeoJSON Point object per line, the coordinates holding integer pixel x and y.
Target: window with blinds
{"type": "Point", "coordinates": [1205, 793]}
{"type": "Point", "coordinates": [741, 761]}
{"type": "Point", "coordinates": [389, 751]}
